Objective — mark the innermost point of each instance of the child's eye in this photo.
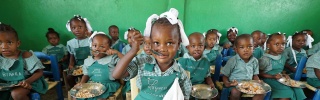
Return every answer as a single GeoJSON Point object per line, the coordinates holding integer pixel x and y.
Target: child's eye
{"type": "Point", "coordinates": [169, 43]}
{"type": "Point", "coordinates": [250, 46]}
{"type": "Point", "coordinates": [156, 43]}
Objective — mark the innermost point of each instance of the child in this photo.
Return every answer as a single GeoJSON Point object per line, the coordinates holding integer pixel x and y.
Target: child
{"type": "Point", "coordinates": [77, 47]}
{"type": "Point", "coordinates": [212, 38]}
{"type": "Point", "coordinates": [114, 33]}
{"type": "Point", "coordinates": [155, 76]}
{"type": "Point", "coordinates": [59, 50]}
{"type": "Point", "coordinates": [313, 70]}
{"type": "Point", "coordinates": [258, 51]}
{"type": "Point", "coordinates": [231, 35]}
{"type": "Point", "coordinates": [297, 41]}
{"type": "Point", "coordinates": [128, 35]}
{"type": "Point", "coordinates": [195, 62]}
{"type": "Point", "coordinates": [99, 67]}
{"type": "Point", "coordinates": [263, 40]}
{"type": "Point", "coordinates": [271, 65]}
{"type": "Point", "coordinates": [315, 48]}
{"type": "Point", "coordinates": [241, 67]}
{"type": "Point", "coordinates": [18, 67]}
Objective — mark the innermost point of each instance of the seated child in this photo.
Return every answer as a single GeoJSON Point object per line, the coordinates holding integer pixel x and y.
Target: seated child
{"type": "Point", "coordinates": [272, 64]}
{"type": "Point", "coordinates": [77, 47]}
{"type": "Point", "coordinates": [59, 50]}
{"type": "Point", "coordinates": [19, 67]}
{"type": "Point", "coordinates": [296, 42]}
{"type": "Point", "coordinates": [128, 35]}
{"type": "Point", "coordinates": [257, 51]}
{"type": "Point", "coordinates": [231, 35]}
{"type": "Point", "coordinates": [212, 38]}
{"type": "Point", "coordinates": [241, 67]}
{"type": "Point", "coordinates": [313, 70]}
{"type": "Point", "coordinates": [117, 44]}
{"type": "Point", "coordinates": [99, 67]}
{"type": "Point", "coordinates": [156, 75]}
{"type": "Point", "coordinates": [195, 62]}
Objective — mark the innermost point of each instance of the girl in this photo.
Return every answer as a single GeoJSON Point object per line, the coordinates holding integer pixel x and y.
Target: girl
{"type": "Point", "coordinates": [55, 48]}
{"type": "Point", "coordinates": [117, 44]}
{"type": "Point", "coordinates": [296, 42]}
{"type": "Point", "coordinates": [77, 47]}
{"type": "Point", "coordinates": [18, 67]}
{"type": "Point", "coordinates": [271, 65]}
{"type": "Point", "coordinates": [195, 62]}
{"type": "Point", "coordinates": [154, 76]}
{"type": "Point", "coordinates": [98, 69]}
{"type": "Point", "coordinates": [212, 38]}
{"type": "Point", "coordinates": [258, 51]}
{"type": "Point", "coordinates": [231, 35]}
{"type": "Point", "coordinates": [128, 35]}
{"type": "Point", "coordinates": [313, 70]}
{"type": "Point", "coordinates": [241, 67]}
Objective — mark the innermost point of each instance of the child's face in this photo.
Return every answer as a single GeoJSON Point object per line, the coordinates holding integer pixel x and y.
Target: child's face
{"type": "Point", "coordinates": [165, 40]}
{"type": "Point", "coordinates": [232, 36]}
{"type": "Point", "coordinates": [263, 39]}
{"type": "Point", "coordinates": [100, 44]}
{"type": "Point", "coordinates": [256, 38]}
{"type": "Point", "coordinates": [299, 41]}
{"type": "Point", "coordinates": [147, 45]}
{"type": "Point", "coordinates": [244, 48]}
{"type": "Point", "coordinates": [196, 46]}
{"type": "Point", "coordinates": [276, 44]}
{"type": "Point", "coordinates": [9, 44]}
{"type": "Point", "coordinates": [211, 40]}
{"type": "Point", "coordinates": [78, 28]}
{"type": "Point", "coordinates": [53, 39]}
{"type": "Point", "coordinates": [114, 33]}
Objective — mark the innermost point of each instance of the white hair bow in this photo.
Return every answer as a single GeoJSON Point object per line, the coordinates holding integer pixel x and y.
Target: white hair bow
{"type": "Point", "coordinates": [94, 34]}
{"type": "Point", "coordinates": [309, 41]}
{"type": "Point", "coordinates": [89, 28]}
{"type": "Point", "coordinates": [233, 29]}
{"type": "Point", "coordinates": [172, 16]}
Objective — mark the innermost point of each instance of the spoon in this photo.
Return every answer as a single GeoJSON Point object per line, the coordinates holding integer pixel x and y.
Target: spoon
{"type": "Point", "coordinates": [156, 53]}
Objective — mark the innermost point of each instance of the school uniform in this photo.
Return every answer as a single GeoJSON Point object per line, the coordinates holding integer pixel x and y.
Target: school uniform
{"type": "Point", "coordinates": [312, 63]}
{"type": "Point", "coordinates": [181, 51]}
{"type": "Point", "coordinates": [258, 52]}
{"type": "Point", "coordinates": [100, 71]}
{"type": "Point", "coordinates": [273, 65]}
{"type": "Point", "coordinates": [80, 49]}
{"type": "Point", "coordinates": [59, 51]}
{"type": "Point", "coordinates": [152, 82]}
{"type": "Point", "coordinates": [212, 54]}
{"type": "Point", "coordinates": [116, 45]}
{"type": "Point", "coordinates": [290, 58]}
{"type": "Point", "coordinates": [199, 69]}
{"type": "Point", "coordinates": [14, 71]}
{"type": "Point", "coordinates": [126, 49]}
{"type": "Point", "coordinates": [315, 48]}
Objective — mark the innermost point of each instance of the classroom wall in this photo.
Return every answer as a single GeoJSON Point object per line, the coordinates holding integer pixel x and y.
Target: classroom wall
{"type": "Point", "coordinates": [31, 19]}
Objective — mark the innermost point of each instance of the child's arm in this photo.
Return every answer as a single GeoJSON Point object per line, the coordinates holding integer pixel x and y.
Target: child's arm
{"type": "Point", "coordinates": [255, 77]}
{"type": "Point", "coordinates": [264, 75]}
{"type": "Point", "coordinates": [121, 68]}
{"type": "Point", "coordinates": [113, 51]}
{"type": "Point", "coordinates": [289, 67]}
{"type": "Point", "coordinates": [226, 82]}
{"type": "Point", "coordinates": [210, 82]}
{"type": "Point", "coordinates": [71, 62]}
{"type": "Point", "coordinates": [317, 72]}
{"type": "Point", "coordinates": [36, 74]}
{"type": "Point", "coordinates": [84, 79]}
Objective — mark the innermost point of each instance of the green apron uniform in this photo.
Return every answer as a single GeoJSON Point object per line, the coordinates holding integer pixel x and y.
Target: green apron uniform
{"type": "Point", "coordinates": [298, 56]}
{"type": "Point", "coordinates": [16, 75]}
{"type": "Point", "coordinates": [258, 52]}
{"type": "Point", "coordinates": [198, 69]}
{"type": "Point", "coordinates": [81, 54]}
{"type": "Point", "coordinates": [155, 87]}
{"type": "Point", "coordinates": [100, 74]}
{"type": "Point", "coordinates": [59, 53]}
{"type": "Point", "coordinates": [280, 90]}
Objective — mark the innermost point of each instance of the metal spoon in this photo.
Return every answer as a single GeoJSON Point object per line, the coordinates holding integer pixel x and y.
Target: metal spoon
{"type": "Point", "coordinates": [156, 53]}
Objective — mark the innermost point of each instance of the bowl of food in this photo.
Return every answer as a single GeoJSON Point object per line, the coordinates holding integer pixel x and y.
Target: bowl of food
{"type": "Point", "coordinates": [292, 83]}
{"type": "Point", "coordinates": [6, 86]}
{"type": "Point", "coordinates": [77, 71]}
{"type": "Point", "coordinates": [203, 91]}
{"type": "Point", "coordinates": [87, 90]}
{"type": "Point", "coordinates": [253, 87]}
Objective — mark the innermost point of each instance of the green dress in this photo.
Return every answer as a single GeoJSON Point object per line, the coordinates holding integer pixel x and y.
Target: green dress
{"type": "Point", "coordinates": [313, 63]}
{"type": "Point", "coordinates": [258, 52]}
{"type": "Point", "coordinates": [117, 46]}
{"type": "Point", "coordinates": [290, 58]}
{"type": "Point", "coordinates": [199, 70]}
{"type": "Point", "coordinates": [155, 87]}
{"type": "Point", "coordinates": [14, 71]}
{"type": "Point", "coordinates": [212, 54]}
{"type": "Point", "coordinates": [274, 65]}
{"type": "Point", "coordinates": [59, 51]}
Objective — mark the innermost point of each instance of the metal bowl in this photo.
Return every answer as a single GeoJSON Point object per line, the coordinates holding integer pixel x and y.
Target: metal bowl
{"type": "Point", "coordinates": [6, 86]}
{"type": "Point", "coordinates": [87, 90]}
{"type": "Point", "coordinates": [203, 91]}
{"type": "Point", "coordinates": [253, 87]}
{"type": "Point", "coordinates": [291, 82]}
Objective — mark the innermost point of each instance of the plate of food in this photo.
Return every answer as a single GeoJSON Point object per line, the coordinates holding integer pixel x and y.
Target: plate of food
{"type": "Point", "coordinates": [203, 91]}
{"type": "Point", "coordinates": [292, 83]}
{"type": "Point", "coordinates": [253, 87]}
{"type": "Point", "coordinates": [6, 86]}
{"type": "Point", "coordinates": [77, 71]}
{"type": "Point", "coordinates": [87, 90]}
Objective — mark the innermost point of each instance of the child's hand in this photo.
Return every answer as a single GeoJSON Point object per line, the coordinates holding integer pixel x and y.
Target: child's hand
{"type": "Point", "coordinates": [25, 84]}
{"type": "Point", "coordinates": [78, 84]}
{"type": "Point", "coordinates": [277, 76]}
{"type": "Point", "coordinates": [112, 52]}
{"type": "Point", "coordinates": [234, 83]}
{"type": "Point", "coordinates": [136, 40]}
{"type": "Point", "coordinates": [212, 86]}
{"type": "Point", "coordinates": [226, 46]}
